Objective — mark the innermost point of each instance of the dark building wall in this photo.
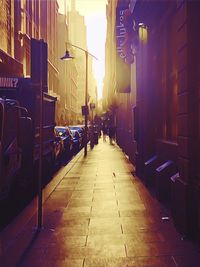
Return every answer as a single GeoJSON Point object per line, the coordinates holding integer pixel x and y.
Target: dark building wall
{"type": "Point", "coordinates": [188, 116]}
{"type": "Point", "coordinates": [156, 84]}
{"type": "Point", "coordinates": [168, 71]}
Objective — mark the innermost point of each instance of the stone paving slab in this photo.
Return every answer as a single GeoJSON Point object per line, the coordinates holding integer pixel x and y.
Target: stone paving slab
{"type": "Point", "coordinates": [100, 215]}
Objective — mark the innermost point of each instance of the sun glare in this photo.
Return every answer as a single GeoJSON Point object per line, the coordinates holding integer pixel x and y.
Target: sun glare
{"type": "Point", "coordinates": [95, 20]}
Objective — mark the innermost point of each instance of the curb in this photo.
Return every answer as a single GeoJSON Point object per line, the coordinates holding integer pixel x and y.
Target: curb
{"type": "Point", "coordinates": [12, 233]}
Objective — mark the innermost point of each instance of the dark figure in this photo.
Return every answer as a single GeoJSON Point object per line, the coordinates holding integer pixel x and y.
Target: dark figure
{"type": "Point", "coordinates": [104, 130]}
{"type": "Point", "coordinates": [111, 133]}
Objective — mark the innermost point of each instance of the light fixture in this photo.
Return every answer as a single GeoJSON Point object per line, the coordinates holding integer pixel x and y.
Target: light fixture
{"type": "Point", "coordinates": [84, 108]}
{"type": "Point", "coordinates": [67, 56]}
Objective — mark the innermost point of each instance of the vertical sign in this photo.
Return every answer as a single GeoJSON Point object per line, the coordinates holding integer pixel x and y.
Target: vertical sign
{"type": "Point", "coordinates": [124, 56]}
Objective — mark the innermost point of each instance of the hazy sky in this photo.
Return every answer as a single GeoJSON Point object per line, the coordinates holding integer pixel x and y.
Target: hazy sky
{"type": "Point", "coordinates": [95, 19]}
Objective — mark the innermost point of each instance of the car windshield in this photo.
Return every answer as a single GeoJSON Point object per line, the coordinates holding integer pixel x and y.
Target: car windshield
{"type": "Point", "coordinates": [73, 132]}
{"type": "Point", "coordinates": [77, 128]}
{"type": "Point", "coordinates": [74, 128]}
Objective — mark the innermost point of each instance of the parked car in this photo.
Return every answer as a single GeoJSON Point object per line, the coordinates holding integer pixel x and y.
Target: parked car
{"type": "Point", "coordinates": [58, 148]}
{"type": "Point", "coordinates": [77, 140]}
{"type": "Point", "coordinates": [80, 129]}
{"type": "Point", "coordinates": [65, 133]}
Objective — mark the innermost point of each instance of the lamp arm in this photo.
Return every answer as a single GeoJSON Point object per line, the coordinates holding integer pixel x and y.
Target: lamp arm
{"type": "Point", "coordinates": [81, 49]}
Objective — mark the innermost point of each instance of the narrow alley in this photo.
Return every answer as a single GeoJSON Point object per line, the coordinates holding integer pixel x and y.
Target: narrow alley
{"type": "Point", "coordinates": [98, 214]}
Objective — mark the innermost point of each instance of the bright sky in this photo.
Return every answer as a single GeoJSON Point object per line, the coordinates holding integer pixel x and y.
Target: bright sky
{"type": "Point", "coordinates": [95, 19]}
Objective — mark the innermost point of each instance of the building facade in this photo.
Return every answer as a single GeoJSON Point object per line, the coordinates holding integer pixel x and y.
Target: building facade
{"type": "Point", "coordinates": [20, 21]}
{"type": "Point", "coordinates": [67, 106]}
{"type": "Point", "coordinates": [77, 36]}
{"type": "Point", "coordinates": [162, 108]}
{"type": "Point", "coordinates": [10, 63]}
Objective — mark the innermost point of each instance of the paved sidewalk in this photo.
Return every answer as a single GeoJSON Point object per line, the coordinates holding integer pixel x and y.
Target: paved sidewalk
{"type": "Point", "coordinates": [99, 215]}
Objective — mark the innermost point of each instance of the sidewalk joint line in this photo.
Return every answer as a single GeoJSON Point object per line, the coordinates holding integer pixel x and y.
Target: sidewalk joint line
{"type": "Point", "coordinates": [122, 229]}
{"type": "Point", "coordinates": [174, 261]}
{"type": "Point", "coordinates": [125, 250]}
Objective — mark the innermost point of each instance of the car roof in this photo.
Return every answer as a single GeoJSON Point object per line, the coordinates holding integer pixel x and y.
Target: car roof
{"type": "Point", "coordinates": [61, 127]}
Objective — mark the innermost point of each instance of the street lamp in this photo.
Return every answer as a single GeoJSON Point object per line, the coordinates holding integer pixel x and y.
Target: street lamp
{"type": "Point", "coordinates": [85, 109]}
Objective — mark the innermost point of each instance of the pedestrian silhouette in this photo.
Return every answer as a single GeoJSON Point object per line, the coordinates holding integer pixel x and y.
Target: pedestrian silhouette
{"type": "Point", "coordinates": [104, 130]}
{"type": "Point", "coordinates": [111, 133]}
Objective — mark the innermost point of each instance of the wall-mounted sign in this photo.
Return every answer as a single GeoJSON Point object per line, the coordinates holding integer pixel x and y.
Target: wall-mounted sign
{"type": "Point", "coordinates": [6, 82]}
{"type": "Point", "coordinates": [124, 55]}
{"type": "Point", "coordinates": [85, 110]}
{"type": "Point", "coordinates": [124, 29]}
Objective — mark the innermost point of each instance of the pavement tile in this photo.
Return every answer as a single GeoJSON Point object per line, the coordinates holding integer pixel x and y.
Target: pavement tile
{"type": "Point", "coordinates": [104, 222]}
{"type": "Point", "coordinates": [130, 213]}
{"type": "Point", "coordinates": [71, 177]}
{"type": "Point", "coordinates": [85, 187]}
{"type": "Point", "coordinates": [142, 237]}
{"type": "Point", "coordinates": [60, 240]}
{"type": "Point", "coordinates": [67, 221]}
{"type": "Point", "coordinates": [55, 204]}
{"type": "Point", "coordinates": [72, 230]}
{"type": "Point", "coordinates": [191, 259]}
{"type": "Point", "coordinates": [82, 193]}
{"type": "Point", "coordinates": [133, 207]}
{"type": "Point", "coordinates": [122, 201]}
{"type": "Point", "coordinates": [97, 197]}
{"type": "Point", "coordinates": [104, 186]}
{"type": "Point", "coordinates": [98, 209]}
{"type": "Point", "coordinates": [130, 262]}
{"type": "Point", "coordinates": [77, 202]}
{"type": "Point", "coordinates": [85, 252]}
{"type": "Point", "coordinates": [76, 214]}
{"type": "Point", "coordinates": [77, 209]}
{"type": "Point", "coordinates": [66, 186]}
{"type": "Point", "coordinates": [124, 194]}
{"type": "Point", "coordinates": [105, 229]}
{"type": "Point", "coordinates": [143, 249]}
{"type": "Point", "coordinates": [125, 191]}
{"type": "Point", "coordinates": [87, 182]}
{"type": "Point", "coordinates": [104, 204]}
{"type": "Point", "coordinates": [138, 220]}
{"type": "Point", "coordinates": [70, 180]}
{"type": "Point", "coordinates": [133, 229]}
{"type": "Point", "coordinates": [61, 194]}
{"type": "Point", "coordinates": [105, 172]}
{"type": "Point", "coordinates": [109, 239]}
{"type": "Point", "coordinates": [64, 263]}
{"type": "Point", "coordinates": [104, 180]}
{"type": "Point", "coordinates": [125, 185]}
{"type": "Point", "coordinates": [106, 191]}
{"type": "Point", "coordinates": [105, 213]}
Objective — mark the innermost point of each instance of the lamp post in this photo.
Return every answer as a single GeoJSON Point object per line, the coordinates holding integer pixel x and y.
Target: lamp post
{"type": "Point", "coordinates": [85, 109]}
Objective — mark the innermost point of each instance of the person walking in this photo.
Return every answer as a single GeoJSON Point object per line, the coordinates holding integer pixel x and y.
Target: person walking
{"type": "Point", "coordinates": [104, 130]}
{"type": "Point", "coordinates": [111, 133]}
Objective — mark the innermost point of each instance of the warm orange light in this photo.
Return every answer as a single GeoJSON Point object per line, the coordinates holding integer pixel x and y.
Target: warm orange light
{"type": "Point", "coordinates": [143, 33]}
